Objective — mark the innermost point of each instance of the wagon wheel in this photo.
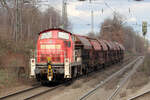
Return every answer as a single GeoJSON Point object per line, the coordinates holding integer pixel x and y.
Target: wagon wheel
{"type": "Point", "coordinates": [75, 72]}
{"type": "Point", "coordinates": [83, 69]}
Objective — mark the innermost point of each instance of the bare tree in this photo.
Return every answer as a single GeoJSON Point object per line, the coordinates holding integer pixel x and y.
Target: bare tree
{"type": "Point", "coordinates": [111, 29]}
{"type": "Point", "coordinates": [115, 30]}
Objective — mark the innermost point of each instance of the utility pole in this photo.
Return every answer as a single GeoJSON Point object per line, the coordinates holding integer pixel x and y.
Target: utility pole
{"type": "Point", "coordinates": [64, 14]}
{"type": "Point", "coordinates": [17, 21]}
{"type": "Point", "coordinates": [50, 20]}
{"type": "Point", "coordinates": [92, 21]}
{"type": "Point", "coordinates": [92, 18]}
{"type": "Point", "coordinates": [135, 42]}
{"type": "Point", "coordinates": [144, 30]}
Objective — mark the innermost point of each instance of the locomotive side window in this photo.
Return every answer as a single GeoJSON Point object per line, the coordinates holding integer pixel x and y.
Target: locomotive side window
{"type": "Point", "coordinates": [46, 35]}
{"type": "Point", "coordinates": [67, 43]}
{"type": "Point", "coordinates": [63, 35]}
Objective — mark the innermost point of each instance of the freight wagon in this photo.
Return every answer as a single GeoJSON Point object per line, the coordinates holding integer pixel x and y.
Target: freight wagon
{"type": "Point", "coordinates": [63, 55]}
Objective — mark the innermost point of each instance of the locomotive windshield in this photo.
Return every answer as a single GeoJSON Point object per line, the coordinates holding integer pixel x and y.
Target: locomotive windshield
{"type": "Point", "coordinates": [46, 35]}
{"type": "Point", "coordinates": [63, 35]}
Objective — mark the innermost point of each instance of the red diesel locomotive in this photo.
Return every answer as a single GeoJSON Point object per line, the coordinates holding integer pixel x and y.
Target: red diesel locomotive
{"type": "Point", "coordinates": [62, 55]}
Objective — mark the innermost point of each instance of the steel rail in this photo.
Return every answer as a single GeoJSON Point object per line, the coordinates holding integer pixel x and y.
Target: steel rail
{"type": "Point", "coordinates": [41, 93]}
{"type": "Point", "coordinates": [139, 95]}
{"type": "Point", "coordinates": [121, 84]}
{"type": "Point", "coordinates": [109, 78]}
{"type": "Point", "coordinates": [20, 92]}
{"type": "Point", "coordinates": [46, 91]}
{"type": "Point", "coordinates": [29, 89]}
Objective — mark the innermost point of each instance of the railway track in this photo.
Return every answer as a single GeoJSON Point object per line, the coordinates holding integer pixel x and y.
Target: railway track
{"type": "Point", "coordinates": [30, 93]}
{"type": "Point", "coordinates": [143, 96]}
{"type": "Point", "coordinates": [122, 83]}
{"type": "Point", "coordinates": [53, 88]}
{"type": "Point", "coordinates": [36, 95]}
{"type": "Point", "coordinates": [85, 96]}
{"type": "Point", "coordinates": [19, 92]}
{"type": "Point", "coordinates": [23, 94]}
{"type": "Point", "coordinates": [43, 92]}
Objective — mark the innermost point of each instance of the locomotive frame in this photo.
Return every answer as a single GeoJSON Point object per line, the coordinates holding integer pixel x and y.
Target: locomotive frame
{"type": "Point", "coordinates": [70, 55]}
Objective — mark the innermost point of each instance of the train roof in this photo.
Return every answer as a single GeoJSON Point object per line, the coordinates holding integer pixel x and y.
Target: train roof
{"type": "Point", "coordinates": [117, 45]}
{"type": "Point", "coordinates": [121, 46]}
{"type": "Point", "coordinates": [88, 42]}
{"type": "Point", "coordinates": [85, 42]}
{"type": "Point", "coordinates": [108, 44]}
{"type": "Point", "coordinates": [96, 44]}
{"type": "Point", "coordinates": [114, 45]}
{"type": "Point", "coordinates": [104, 46]}
{"type": "Point", "coordinates": [51, 29]}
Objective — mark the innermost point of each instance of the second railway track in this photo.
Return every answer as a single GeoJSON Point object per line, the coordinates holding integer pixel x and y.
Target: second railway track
{"type": "Point", "coordinates": [124, 80]}
{"type": "Point", "coordinates": [88, 94]}
{"type": "Point", "coordinates": [143, 96]}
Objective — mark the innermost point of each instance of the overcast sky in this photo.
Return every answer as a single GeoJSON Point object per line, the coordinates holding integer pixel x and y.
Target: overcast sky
{"type": "Point", "coordinates": [79, 13]}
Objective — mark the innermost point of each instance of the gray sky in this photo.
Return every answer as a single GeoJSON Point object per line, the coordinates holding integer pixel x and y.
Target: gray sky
{"type": "Point", "coordinates": [79, 13]}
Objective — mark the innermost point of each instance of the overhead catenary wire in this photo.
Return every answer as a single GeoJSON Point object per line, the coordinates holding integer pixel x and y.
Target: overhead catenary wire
{"type": "Point", "coordinates": [110, 7]}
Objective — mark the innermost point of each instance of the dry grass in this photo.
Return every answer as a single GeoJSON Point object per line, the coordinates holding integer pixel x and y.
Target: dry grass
{"type": "Point", "coordinates": [13, 58]}
{"type": "Point", "coordinates": [77, 84]}
{"type": "Point", "coordinates": [10, 77]}
{"type": "Point", "coordinates": [141, 77]}
{"type": "Point", "coordinates": [123, 94]}
{"type": "Point", "coordinates": [7, 78]}
{"type": "Point", "coordinates": [138, 80]}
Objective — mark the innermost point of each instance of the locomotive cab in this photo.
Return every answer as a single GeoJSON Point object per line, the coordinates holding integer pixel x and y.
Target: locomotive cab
{"type": "Point", "coordinates": [56, 45]}
{"type": "Point", "coordinates": [62, 55]}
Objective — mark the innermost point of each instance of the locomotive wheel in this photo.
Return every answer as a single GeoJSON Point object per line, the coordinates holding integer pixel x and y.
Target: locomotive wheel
{"type": "Point", "coordinates": [44, 83]}
{"type": "Point", "coordinates": [37, 77]}
{"type": "Point", "coordinates": [83, 71]}
{"type": "Point", "coordinates": [75, 72]}
{"type": "Point", "coordinates": [86, 70]}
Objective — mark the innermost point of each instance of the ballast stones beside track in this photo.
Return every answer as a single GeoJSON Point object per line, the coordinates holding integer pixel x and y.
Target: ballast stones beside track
{"type": "Point", "coordinates": [41, 93]}
{"type": "Point", "coordinates": [81, 86]}
{"type": "Point", "coordinates": [32, 93]}
{"type": "Point", "coordinates": [19, 92]}
{"type": "Point", "coordinates": [28, 94]}
{"type": "Point", "coordinates": [88, 94]}
{"type": "Point", "coordinates": [122, 83]}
